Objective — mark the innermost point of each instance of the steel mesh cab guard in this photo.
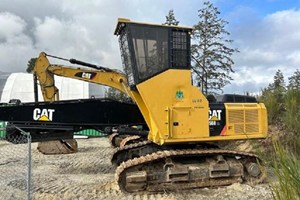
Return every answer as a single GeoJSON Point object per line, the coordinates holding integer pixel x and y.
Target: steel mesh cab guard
{"type": "Point", "coordinates": [148, 50]}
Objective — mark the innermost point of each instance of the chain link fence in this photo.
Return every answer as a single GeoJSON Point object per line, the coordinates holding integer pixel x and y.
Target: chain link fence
{"type": "Point", "coordinates": [15, 167]}
{"type": "Point", "coordinates": [24, 171]}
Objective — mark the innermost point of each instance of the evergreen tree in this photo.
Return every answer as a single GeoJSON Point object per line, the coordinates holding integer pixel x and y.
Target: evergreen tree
{"type": "Point", "coordinates": [292, 110]}
{"type": "Point", "coordinates": [170, 19]}
{"type": "Point", "coordinates": [273, 97]}
{"type": "Point", "coordinates": [30, 65]}
{"type": "Point", "coordinates": [294, 81]}
{"type": "Point", "coordinates": [279, 89]}
{"type": "Point", "coordinates": [211, 51]}
{"type": "Point", "coordinates": [278, 85]}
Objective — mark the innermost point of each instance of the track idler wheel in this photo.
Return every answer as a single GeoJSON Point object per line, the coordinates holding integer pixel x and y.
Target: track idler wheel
{"type": "Point", "coordinates": [58, 147]}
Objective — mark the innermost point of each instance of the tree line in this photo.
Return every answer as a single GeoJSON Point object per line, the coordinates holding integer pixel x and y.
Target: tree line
{"type": "Point", "coordinates": [283, 105]}
{"type": "Point", "coordinates": [283, 100]}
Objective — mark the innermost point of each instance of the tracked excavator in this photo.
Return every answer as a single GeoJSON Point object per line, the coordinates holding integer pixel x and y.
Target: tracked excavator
{"type": "Point", "coordinates": [179, 148]}
{"type": "Point", "coordinates": [179, 152]}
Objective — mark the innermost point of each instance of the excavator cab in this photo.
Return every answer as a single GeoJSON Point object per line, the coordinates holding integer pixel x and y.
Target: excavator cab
{"type": "Point", "coordinates": [148, 50]}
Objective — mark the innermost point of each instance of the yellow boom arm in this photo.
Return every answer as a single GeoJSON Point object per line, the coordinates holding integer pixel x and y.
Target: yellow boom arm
{"type": "Point", "coordinates": [45, 74]}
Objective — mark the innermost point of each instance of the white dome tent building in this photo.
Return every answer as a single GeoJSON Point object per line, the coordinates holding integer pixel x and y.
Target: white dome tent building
{"type": "Point", "coordinates": [20, 86]}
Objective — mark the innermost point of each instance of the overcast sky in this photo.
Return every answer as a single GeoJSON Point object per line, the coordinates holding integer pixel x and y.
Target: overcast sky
{"type": "Point", "coordinates": [267, 32]}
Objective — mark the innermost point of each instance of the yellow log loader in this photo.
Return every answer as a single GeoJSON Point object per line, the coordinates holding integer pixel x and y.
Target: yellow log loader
{"type": "Point", "coordinates": [178, 150]}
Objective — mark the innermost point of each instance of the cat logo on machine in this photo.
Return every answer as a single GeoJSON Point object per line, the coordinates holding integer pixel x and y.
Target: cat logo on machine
{"type": "Point", "coordinates": [86, 75]}
{"type": "Point", "coordinates": [214, 116]}
{"type": "Point", "coordinates": [43, 114]}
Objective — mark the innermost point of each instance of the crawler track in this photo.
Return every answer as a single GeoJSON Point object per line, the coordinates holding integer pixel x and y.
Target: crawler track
{"type": "Point", "coordinates": [157, 173]}
{"type": "Point", "coordinates": [127, 152]}
{"type": "Point", "coordinates": [129, 140]}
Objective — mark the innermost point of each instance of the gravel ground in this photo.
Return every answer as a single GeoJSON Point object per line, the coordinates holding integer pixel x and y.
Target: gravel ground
{"type": "Point", "coordinates": [89, 174]}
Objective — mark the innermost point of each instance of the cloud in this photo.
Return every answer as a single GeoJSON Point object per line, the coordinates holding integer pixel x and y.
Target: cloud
{"type": "Point", "coordinates": [66, 36]}
{"type": "Point", "coordinates": [11, 25]}
{"type": "Point", "coordinates": [84, 30]}
{"type": "Point", "coordinates": [284, 30]}
{"type": "Point", "coordinates": [27, 10]}
{"type": "Point", "coordinates": [294, 58]}
{"type": "Point", "coordinates": [14, 43]}
{"type": "Point", "coordinates": [77, 29]}
{"type": "Point", "coordinates": [71, 29]}
{"type": "Point", "coordinates": [257, 57]}
{"type": "Point", "coordinates": [265, 46]}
